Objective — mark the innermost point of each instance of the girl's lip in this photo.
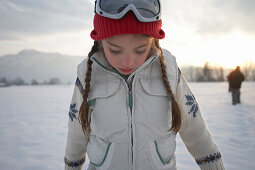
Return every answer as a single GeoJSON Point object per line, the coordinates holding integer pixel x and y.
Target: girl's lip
{"type": "Point", "coordinates": [126, 70]}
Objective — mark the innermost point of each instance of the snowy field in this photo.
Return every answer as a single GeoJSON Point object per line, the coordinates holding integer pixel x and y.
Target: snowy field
{"type": "Point", "coordinates": [33, 126]}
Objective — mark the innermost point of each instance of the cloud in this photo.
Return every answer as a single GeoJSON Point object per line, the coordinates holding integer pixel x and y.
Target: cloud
{"type": "Point", "coordinates": [211, 16]}
{"type": "Point", "coordinates": [30, 18]}
{"type": "Point", "coordinates": [20, 19]}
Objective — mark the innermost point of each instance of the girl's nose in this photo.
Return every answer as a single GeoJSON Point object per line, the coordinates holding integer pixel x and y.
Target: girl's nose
{"type": "Point", "coordinates": [127, 61]}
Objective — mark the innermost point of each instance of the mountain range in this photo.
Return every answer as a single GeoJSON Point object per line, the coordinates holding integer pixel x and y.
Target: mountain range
{"type": "Point", "coordinates": [40, 66]}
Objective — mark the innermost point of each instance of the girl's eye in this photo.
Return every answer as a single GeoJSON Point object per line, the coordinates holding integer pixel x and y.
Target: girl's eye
{"type": "Point", "coordinates": [114, 52]}
{"type": "Point", "coordinates": [140, 52]}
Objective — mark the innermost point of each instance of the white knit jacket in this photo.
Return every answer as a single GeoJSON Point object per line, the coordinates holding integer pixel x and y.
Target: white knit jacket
{"type": "Point", "coordinates": [130, 120]}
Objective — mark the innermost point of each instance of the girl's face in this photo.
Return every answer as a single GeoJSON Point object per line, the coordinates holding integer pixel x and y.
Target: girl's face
{"type": "Point", "coordinates": [127, 52]}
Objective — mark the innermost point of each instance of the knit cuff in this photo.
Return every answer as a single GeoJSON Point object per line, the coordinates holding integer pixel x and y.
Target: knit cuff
{"type": "Point", "coordinates": [216, 165]}
{"type": "Point", "coordinates": [73, 165]}
{"type": "Point", "coordinates": [72, 168]}
{"type": "Point", "coordinates": [211, 162]}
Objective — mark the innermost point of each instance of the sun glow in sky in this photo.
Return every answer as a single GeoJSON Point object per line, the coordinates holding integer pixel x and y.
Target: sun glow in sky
{"type": "Point", "coordinates": [231, 50]}
{"type": "Point", "coordinates": [228, 51]}
{"type": "Point", "coordinates": [220, 32]}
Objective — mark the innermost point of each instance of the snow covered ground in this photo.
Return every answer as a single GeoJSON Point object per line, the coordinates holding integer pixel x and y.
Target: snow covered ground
{"type": "Point", "coordinates": [33, 126]}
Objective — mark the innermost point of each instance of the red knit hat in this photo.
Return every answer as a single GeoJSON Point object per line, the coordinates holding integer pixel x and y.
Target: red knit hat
{"type": "Point", "coordinates": [107, 27]}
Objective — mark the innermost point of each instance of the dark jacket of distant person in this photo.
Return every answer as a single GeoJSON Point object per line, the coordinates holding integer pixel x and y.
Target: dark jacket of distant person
{"type": "Point", "coordinates": [235, 78]}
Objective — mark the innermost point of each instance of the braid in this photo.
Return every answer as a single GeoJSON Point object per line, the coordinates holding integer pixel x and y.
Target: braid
{"type": "Point", "coordinates": [176, 114]}
{"type": "Point", "coordinates": [84, 117]}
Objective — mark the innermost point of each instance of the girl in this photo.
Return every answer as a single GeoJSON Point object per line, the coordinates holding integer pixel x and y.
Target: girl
{"type": "Point", "coordinates": [130, 99]}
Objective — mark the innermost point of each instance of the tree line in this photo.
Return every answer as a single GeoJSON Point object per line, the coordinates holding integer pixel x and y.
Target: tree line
{"type": "Point", "coordinates": [205, 73]}
{"type": "Point", "coordinates": [19, 81]}
{"type": "Point", "coordinates": [208, 73]}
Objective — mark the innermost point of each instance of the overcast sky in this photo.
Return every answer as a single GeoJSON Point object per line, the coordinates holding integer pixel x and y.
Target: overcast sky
{"type": "Point", "coordinates": [221, 32]}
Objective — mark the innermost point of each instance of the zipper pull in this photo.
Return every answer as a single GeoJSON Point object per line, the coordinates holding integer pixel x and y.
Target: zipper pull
{"type": "Point", "coordinates": [130, 97]}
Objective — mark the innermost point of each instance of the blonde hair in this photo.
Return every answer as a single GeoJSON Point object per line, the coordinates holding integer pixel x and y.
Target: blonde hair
{"type": "Point", "coordinates": [84, 117]}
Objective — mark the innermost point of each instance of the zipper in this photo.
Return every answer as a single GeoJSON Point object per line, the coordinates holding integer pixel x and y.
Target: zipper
{"type": "Point", "coordinates": [130, 103]}
{"type": "Point", "coordinates": [130, 97]}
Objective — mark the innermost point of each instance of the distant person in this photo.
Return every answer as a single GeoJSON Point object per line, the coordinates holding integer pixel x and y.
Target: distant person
{"type": "Point", "coordinates": [235, 79]}
{"type": "Point", "coordinates": [130, 99]}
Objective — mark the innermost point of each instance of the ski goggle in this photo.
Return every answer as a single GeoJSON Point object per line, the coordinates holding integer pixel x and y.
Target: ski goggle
{"type": "Point", "coordinates": [144, 10]}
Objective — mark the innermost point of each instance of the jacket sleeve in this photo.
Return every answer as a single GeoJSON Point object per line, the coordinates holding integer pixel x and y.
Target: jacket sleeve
{"type": "Point", "coordinates": [194, 131]}
{"type": "Point", "coordinates": [243, 78]}
{"type": "Point", "coordinates": [76, 140]}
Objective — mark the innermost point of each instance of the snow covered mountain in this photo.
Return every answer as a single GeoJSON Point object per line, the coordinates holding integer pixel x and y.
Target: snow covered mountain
{"type": "Point", "coordinates": [41, 66]}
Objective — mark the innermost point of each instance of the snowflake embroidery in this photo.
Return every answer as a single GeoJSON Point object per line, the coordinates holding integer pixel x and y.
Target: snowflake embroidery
{"type": "Point", "coordinates": [191, 101]}
{"type": "Point", "coordinates": [72, 111]}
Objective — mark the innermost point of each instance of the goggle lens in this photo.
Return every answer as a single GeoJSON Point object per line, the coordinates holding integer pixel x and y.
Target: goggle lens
{"type": "Point", "coordinates": [146, 8]}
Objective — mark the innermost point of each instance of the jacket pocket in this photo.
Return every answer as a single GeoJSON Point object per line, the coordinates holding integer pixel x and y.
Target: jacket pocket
{"type": "Point", "coordinates": [157, 111]}
{"type": "Point", "coordinates": [154, 87]}
{"type": "Point", "coordinates": [108, 110]}
{"type": "Point", "coordinates": [100, 152]}
{"type": "Point", "coordinates": [103, 89]}
{"type": "Point", "coordinates": [162, 152]}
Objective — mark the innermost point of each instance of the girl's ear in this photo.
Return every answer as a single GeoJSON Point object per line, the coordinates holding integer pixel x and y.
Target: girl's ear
{"type": "Point", "coordinates": [100, 42]}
